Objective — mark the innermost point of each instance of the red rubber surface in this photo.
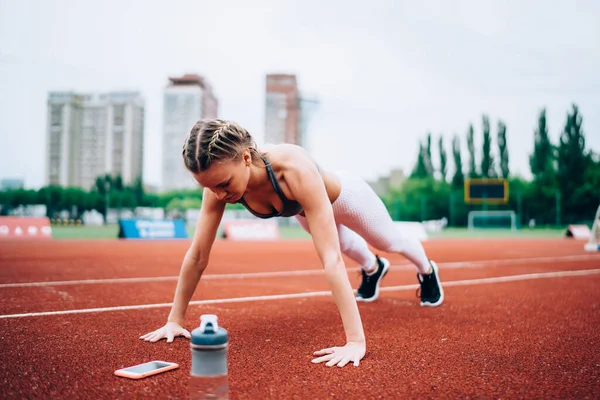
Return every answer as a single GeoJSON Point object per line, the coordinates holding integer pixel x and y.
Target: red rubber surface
{"type": "Point", "coordinates": [525, 339]}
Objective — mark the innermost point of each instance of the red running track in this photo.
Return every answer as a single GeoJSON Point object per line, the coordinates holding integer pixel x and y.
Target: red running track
{"type": "Point", "coordinates": [533, 337]}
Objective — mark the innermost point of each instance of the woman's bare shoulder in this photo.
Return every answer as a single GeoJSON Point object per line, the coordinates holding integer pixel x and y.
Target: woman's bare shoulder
{"type": "Point", "coordinates": [287, 155]}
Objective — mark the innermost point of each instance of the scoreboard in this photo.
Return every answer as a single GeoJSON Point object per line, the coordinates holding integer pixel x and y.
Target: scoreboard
{"type": "Point", "coordinates": [488, 190]}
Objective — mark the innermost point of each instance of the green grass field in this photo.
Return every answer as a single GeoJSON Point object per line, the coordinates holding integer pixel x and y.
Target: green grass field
{"type": "Point", "coordinates": [453, 233]}
{"type": "Point", "coordinates": [111, 232]}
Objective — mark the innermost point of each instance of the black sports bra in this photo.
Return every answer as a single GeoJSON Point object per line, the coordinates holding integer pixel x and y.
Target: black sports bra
{"type": "Point", "coordinates": [289, 207]}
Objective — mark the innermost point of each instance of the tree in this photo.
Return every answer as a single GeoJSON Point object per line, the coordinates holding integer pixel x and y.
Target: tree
{"type": "Point", "coordinates": [503, 150]}
{"type": "Point", "coordinates": [541, 161]}
{"type": "Point", "coordinates": [487, 159]}
{"type": "Point", "coordinates": [471, 148]}
{"type": "Point", "coordinates": [443, 158]}
{"type": "Point", "coordinates": [118, 183]}
{"type": "Point", "coordinates": [53, 198]}
{"type": "Point", "coordinates": [572, 162]}
{"type": "Point", "coordinates": [420, 169]}
{"type": "Point", "coordinates": [75, 200]}
{"type": "Point", "coordinates": [421, 199]}
{"type": "Point", "coordinates": [138, 190]}
{"type": "Point", "coordinates": [99, 186]}
{"type": "Point", "coordinates": [587, 196]}
{"type": "Point", "coordinates": [458, 179]}
{"type": "Point", "coordinates": [428, 160]}
{"type": "Point", "coordinates": [109, 182]}
{"type": "Point", "coordinates": [184, 204]}
{"type": "Point", "coordinates": [104, 184]}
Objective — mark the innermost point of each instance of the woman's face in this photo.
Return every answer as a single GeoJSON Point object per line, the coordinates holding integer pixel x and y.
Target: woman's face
{"type": "Point", "coordinates": [227, 180]}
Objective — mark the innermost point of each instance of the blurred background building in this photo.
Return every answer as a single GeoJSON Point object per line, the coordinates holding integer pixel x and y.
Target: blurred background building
{"type": "Point", "coordinates": [187, 99]}
{"type": "Point", "coordinates": [93, 134]}
{"type": "Point", "coordinates": [282, 109]}
{"type": "Point", "coordinates": [309, 105]}
{"type": "Point", "coordinates": [12, 183]}
{"type": "Point", "coordinates": [383, 184]}
{"type": "Point", "coordinates": [287, 111]}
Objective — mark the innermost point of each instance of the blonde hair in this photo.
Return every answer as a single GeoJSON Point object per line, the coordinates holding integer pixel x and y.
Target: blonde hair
{"type": "Point", "coordinates": [216, 140]}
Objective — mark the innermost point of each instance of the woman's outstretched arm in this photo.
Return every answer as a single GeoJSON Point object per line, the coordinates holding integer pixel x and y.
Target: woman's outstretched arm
{"type": "Point", "coordinates": [308, 189]}
{"type": "Point", "coordinates": [193, 266]}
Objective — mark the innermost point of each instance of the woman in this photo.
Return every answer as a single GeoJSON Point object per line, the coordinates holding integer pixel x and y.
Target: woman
{"type": "Point", "coordinates": [340, 211]}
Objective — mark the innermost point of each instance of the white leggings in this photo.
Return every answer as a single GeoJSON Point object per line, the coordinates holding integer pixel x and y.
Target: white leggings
{"type": "Point", "coordinates": [361, 218]}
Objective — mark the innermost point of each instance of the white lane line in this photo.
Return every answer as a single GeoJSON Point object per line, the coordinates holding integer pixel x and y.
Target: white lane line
{"type": "Point", "coordinates": [275, 274]}
{"type": "Point", "coordinates": [165, 278]}
{"type": "Point", "coordinates": [89, 282]}
{"type": "Point", "coordinates": [501, 279]}
{"type": "Point", "coordinates": [510, 278]}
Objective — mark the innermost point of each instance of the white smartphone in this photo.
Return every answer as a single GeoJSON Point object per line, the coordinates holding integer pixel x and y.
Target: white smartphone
{"type": "Point", "coordinates": [146, 369]}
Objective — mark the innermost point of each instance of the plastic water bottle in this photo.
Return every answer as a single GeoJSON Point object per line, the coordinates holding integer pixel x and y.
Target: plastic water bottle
{"type": "Point", "coordinates": [208, 375]}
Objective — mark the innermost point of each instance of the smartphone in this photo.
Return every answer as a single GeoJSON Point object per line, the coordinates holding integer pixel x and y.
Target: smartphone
{"type": "Point", "coordinates": [143, 370]}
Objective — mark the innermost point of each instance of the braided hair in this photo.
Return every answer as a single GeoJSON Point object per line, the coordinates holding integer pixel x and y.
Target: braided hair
{"type": "Point", "coordinates": [215, 140]}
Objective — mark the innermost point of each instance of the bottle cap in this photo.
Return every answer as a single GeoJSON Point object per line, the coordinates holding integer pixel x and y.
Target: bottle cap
{"type": "Point", "coordinates": [209, 333]}
{"type": "Point", "coordinates": [209, 322]}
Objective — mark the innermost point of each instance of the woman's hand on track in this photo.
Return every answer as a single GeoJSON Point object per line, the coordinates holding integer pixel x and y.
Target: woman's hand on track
{"type": "Point", "coordinates": [170, 331]}
{"type": "Point", "coordinates": [351, 352]}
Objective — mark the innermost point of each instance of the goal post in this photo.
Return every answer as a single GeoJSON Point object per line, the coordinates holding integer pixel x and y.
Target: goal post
{"type": "Point", "coordinates": [594, 242]}
{"type": "Point", "coordinates": [506, 219]}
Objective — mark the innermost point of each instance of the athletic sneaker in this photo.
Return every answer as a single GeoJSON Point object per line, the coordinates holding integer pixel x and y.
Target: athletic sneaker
{"type": "Point", "coordinates": [369, 288]}
{"type": "Point", "coordinates": [432, 294]}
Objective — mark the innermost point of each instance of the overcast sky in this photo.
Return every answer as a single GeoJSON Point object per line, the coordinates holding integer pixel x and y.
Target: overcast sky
{"type": "Point", "coordinates": [385, 72]}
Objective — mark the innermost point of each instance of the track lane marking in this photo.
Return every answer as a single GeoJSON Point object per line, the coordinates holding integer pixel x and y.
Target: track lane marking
{"type": "Point", "coordinates": [276, 274]}
{"type": "Point", "coordinates": [465, 282]}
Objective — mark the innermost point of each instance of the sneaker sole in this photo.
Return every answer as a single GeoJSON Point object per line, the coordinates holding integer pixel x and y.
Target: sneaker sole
{"type": "Point", "coordinates": [386, 266]}
{"type": "Point", "coordinates": [437, 278]}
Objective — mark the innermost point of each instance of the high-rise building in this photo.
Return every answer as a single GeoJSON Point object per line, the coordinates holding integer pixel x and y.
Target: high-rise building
{"type": "Point", "coordinates": [308, 107]}
{"type": "Point", "coordinates": [90, 135]}
{"type": "Point", "coordinates": [187, 99]}
{"type": "Point", "coordinates": [287, 111]}
{"type": "Point", "coordinates": [282, 109]}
